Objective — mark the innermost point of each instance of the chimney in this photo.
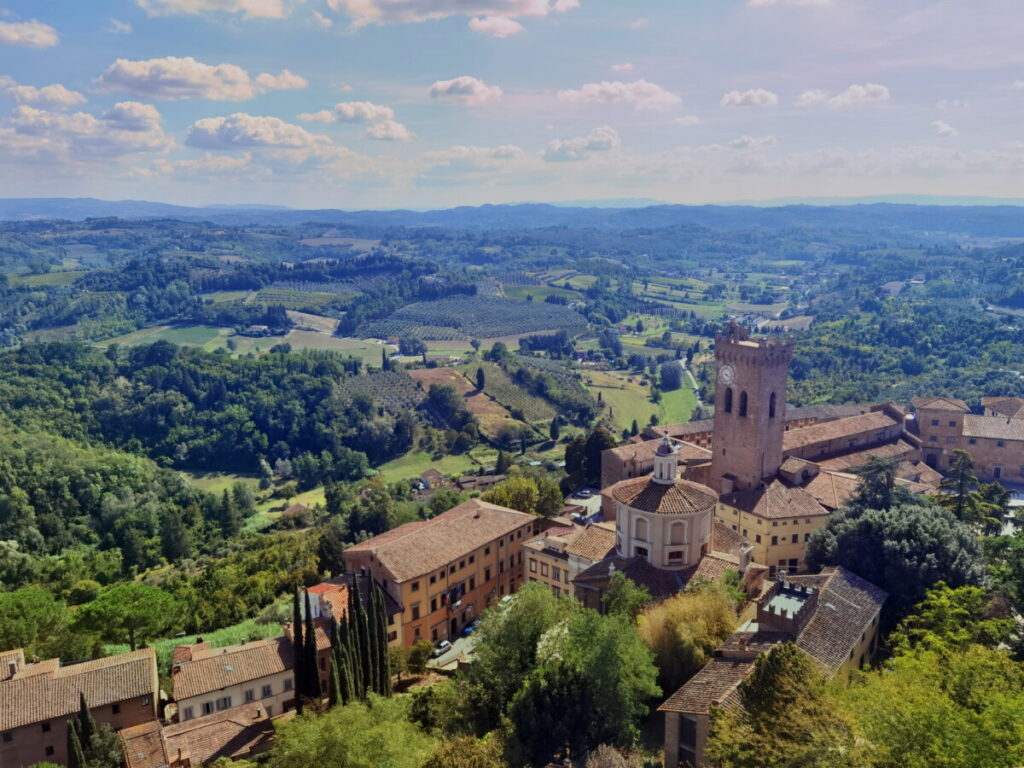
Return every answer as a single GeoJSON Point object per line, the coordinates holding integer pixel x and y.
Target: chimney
{"type": "Point", "coordinates": [12, 668]}
{"type": "Point", "coordinates": [746, 556]}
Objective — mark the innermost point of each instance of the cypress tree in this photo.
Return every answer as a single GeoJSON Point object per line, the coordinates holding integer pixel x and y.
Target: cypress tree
{"type": "Point", "coordinates": [371, 635]}
{"type": "Point", "coordinates": [310, 664]}
{"type": "Point", "coordinates": [365, 661]}
{"type": "Point", "coordinates": [86, 725]}
{"type": "Point", "coordinates": [355, 653]}
{"type": "Point", "coordinates": [76, 755]}
{"type": "Point", "coordinates": [297, 651]}
{"type": "Point", "coordinates": [335, 697]}
{"type": "Point", "coordinates": [382, 639]}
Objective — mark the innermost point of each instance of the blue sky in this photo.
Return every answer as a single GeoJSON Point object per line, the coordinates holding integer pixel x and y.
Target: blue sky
{"type": "Point", "coordinates": [387, 103]}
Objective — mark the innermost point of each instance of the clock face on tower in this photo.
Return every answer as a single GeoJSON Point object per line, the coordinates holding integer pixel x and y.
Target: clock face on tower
{"type": "Point", "coordinates": [727, 374]}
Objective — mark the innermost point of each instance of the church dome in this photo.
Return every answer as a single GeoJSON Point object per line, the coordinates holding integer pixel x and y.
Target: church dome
{"type": "Point", "coordinates": [681, 497]}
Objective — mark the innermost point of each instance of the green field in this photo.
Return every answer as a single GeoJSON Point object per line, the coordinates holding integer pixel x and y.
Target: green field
{"type": "Point", "coordinates": [625, 399]}
{"type": "Point", "coordinates": [368, 350]}
{"type": "Point", "coordinates": [49, 279]}
{"type": "Point", "coordinates": [218, 297]}
{"type": "Point", "coordinates": [412, 465]}
{"type": "Point", "coordinates": [770, 310]}
{"type": "Point", "coordinates": [218, 482]}
{"type": "Point", "coordinates": [204, 336]}
{"type": "Point", "coordinates": [539, 292]}
{"type": "Point", "coordinates": [676, 406]}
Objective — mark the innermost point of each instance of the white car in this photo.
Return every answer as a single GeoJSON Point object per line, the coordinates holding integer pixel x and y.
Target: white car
{"type": "Point", "coordinates": [440, 649]}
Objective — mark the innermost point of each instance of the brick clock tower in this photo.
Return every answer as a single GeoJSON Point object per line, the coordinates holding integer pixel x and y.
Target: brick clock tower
{"type": "Point", "coordinates": [750, 408]}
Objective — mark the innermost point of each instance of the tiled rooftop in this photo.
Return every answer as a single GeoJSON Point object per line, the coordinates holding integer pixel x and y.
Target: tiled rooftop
{"type": "Point", "coordinates": [776, 501]}
{"type": "Point", "coordinates": [680, 498]}
{"type": "Point", "coordinates": [593, 543]}
{"type": "Point", "coordinates": [940, 404]}
{"type": "Point", "coordinates": [416, 549]}
{"type": "Point", "coordinates": [834, 430]}
{"type": "Point", "coordinates": [46, 691]}
{"type": "Point", "coordinates": [212, 669]}
{"type": "Point", "coordinates": [993, 427]}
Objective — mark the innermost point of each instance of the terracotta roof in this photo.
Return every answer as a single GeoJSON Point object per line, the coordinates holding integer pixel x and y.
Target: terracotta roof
{"type": "Point", "coordinates": [1013, 407]}
{"type": "Point", "coordinates": [713, 566]}
{"type": "Point", "coordinates": [236, 732]}
{"type": "Point", "coordinates": [47, 691]}
{"type": "Point", "coordinates": [832, 489]}
{"type": "Point", "coordinates": [776, 501]}
{"type": "Point", "coordinates": [332, 585]}
{"type": "Point", "coordinates": [218, 668]}
{"type": "Point", "coordinates": [592, 543]}
{"type": "Point", "coordinates": [724, 539]}
{"type": "Point", "coordinates": [940, 404]}
{"type": "Point", "coordinates": [719, 678]}
{"type": "Point", "coordinates": [897, 449]}
{"type": "Point", "coordinates": [659, 583]}
{"type": "Point", "coordinates": [919, 472]}
{"type": "Point", "coordinates": [993, 427]}
{"type": "Point", "coordinates": [822, 413]}
{"type": "Point", "coordinates": [847, 604]}
{"type": "Point", "coordinates": [833, 430]}
{"type": "Point", "coordinates": [682, 497]}
{"type": "Point", "coordinates": [647, 449]}
{"type": "Point", "coordinates": [794, 466]}
{"type": "Point", "coordinates": [416, 549]}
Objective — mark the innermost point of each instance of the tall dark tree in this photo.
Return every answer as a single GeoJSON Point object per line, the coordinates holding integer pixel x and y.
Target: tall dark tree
{"type": "Point", "coordinates": [297, 651]}
{"type": "Point", "coordinates": [310, 666]}
{"type": "Point", "coordinates": [480, 379]}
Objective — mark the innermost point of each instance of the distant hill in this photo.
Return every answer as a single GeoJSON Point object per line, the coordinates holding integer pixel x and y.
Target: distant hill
{"type": "Point", "coordinates": [986, 221]}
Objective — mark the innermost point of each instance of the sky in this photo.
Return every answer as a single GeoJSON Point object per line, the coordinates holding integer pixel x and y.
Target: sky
{"type": "Point", "coordinates": [435, 103]}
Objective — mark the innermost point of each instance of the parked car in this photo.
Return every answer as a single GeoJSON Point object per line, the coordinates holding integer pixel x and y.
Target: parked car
{"type": "Point", "coordinates": [469, 628]}
{"type": "Point", "coordinates": [440, 649]}
{"type": "Point", "coordinates": [586, 493]}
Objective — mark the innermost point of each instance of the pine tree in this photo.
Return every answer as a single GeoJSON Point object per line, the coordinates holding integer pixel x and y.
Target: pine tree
{"type": "Point", "coordinates": [297, 654]}
{"type": "Point", "coordinates": [311, 668]}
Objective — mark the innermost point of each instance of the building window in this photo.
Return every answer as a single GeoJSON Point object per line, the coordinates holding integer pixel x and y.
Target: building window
{"type": "Point", "coordinates": [115, 708]}
{"type": "Point", "coordinates": [415, 586]}
{"type": "Point", "coordinates": [207, 707]}
{"type": "Point", "coordinates": [793, 562]}
{"type": "Point", "coordinates": [933, 438]}
{"type": "Point", "coordinates": [728, 399]}
{"type": "Point", "coordinates": [640, 528]}
{"type": "Point", "coordinates": [1000, 444]}
{"type": "Point", "coordinates": [487, 574]}
{"type": "Point", "coordinates": [807, 537]}
{"type": "Point", "coordinates": [266, 692]}
{"type": "Point", "coordinates": [472, 582]}
{"type": "Point", "coordinates": [250, 695]}
{"type": "Point", "coordinates": [997, 471]}
{"type": "Point", "coordinates": [556, 591]}
{"type": "Point", "coordinates": [771, 406]}
{"type": "Point", "coordinates": [543, 569]}
{"type": "Point", "coordinates": [935, 422]}
{"type": "Point", "coordinates": [433, 604]}
{"type": "Point", "coordinates": [533, 565]}
{"type": "Point", "coordinates": [392, 636]}
{"type": "Point", "coordinates": [675, 555]}
{"type": "Point", "coordinates": [487, 550]}
{"type": "Point", "coordinates": [49, 751]}
{"type": "Point", "coordinates": [46, 727]}
{"type": "Point", "coordinates": [501, 566]}
{"type": "Point", "coordinates": [952, 423]}
{"type": "Point", "coordinates": [782, 563]}
{"type": "Point", "coordinates": [556, 573]}
{"type": "Point", "coordinates": [224, 702]}
{"type": "Point", "coordinates": [640, 551]}
{"type": "Point", "coordinates": [462, 564]}
{"type": "Point", "coordinates": [757, 538]}
{"type": "Point", "coordinates": [145, 700]}
{"type": "Point", "coordinates": [796, 538]}
{"type": "Point", "coordinates": [270, 710]}
{"type": "Point", "coordinates": [743, 403]}
{"type": "Point", "coordinates": [472, 559]}
{"type": "Point", "coordinates": [775, 540]}
{"type": "Point", "coordinates": [415, 611]}
{"type": "Point", "coordinates": [951, 440]}
{"type": "Point", "coordinates": [972, 441]}
{"type": "Point", "coordinates": [433, 578]}
{"type": "Point", "coordinates": [288, 682]}
{"type": "Point", "coordinates": [451, 570]}
{"type": "Point", "coordinates": [7, 737]}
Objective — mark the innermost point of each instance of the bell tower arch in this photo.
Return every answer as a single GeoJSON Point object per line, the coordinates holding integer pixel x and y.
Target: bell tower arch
{"type": "Point", "coordinates": [750, 408]}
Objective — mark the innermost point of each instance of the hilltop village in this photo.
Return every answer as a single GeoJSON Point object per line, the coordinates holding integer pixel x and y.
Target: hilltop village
{"type": "Point", "coordinates": [738, 502]}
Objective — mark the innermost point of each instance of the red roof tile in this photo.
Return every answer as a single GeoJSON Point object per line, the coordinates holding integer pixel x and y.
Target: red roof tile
{"type": "Point", "coordinates": [682, 497]}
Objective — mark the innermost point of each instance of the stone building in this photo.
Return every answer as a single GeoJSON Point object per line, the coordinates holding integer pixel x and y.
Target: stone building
{"type": "Point", "coordinates": [832, 616]}
{"type": "Point", "coordinates": [777, 472]}
{"type": "Point", "coordinates": [443, 572]}
{"type": "Point", "coordinates": [36, 700]}
{"type": "Point", "coordinates": [995, 438]}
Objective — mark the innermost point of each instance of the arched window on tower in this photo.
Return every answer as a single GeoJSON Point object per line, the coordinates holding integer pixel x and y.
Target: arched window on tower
{"type": "Point", "coordinates": [728, 399]}
{"type": "Point", "coordinates": [771, 406]}
{"type": "Point", "coordinates": [743, 403]}
{"type": "Point", "coordinates": [640, 529]}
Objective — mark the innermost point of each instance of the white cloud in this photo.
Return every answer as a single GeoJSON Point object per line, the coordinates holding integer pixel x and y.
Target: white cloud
{"type": "Point", "coordinates": [755, 97]}
{"type": "Point", "coordinates": [207, 165]}
{"type": "Point", "coordinates": [1018, 84]}
{"type": "Point", "coordinates": [322, 20]}
{"type": "Point", "coordinates": [28, 34]}
{"type": "Point", "coordinates": [174, 78]}
{"type": "Point", "coordinates": [364, 12]}
{"type": "Point", "coordinates": [251, 9]}
{"type": "Point", "coordinates": [389, 130]}
{"type": "Point", "coordinates": [346, 88]}
{"type": "Point", "coordinates": [53, 96]}
{"type": "Point", "coordinates": [496, 26]}
{"type": "Point", "coordinates": [640, 93]}
{"type": "Point", "coordinates": [641, 23]}
{"type": "Point", "coordinates": [284, 81]}
{"type": "Point", "coordinates": [812, 97]}
{"type": "Point", "coordinates": [244, 131]}
{"type": "Point", "coordinates": [363, 112]}
{"type": "Point", "coordinates": [323, 116]}
{"type": "Point", "coordinates": [856, 95]}
{"type": "Point", "coordinates": [603, 139]}
{"type": "Point", "coordinates": [944, 129]}
{"type": "Point", "coordinates": [463, 161]}
{"type": "Point", "coordinates": [951, 104]}
{"type": "Point", "coordinates": [623, 67]}
{"type": "Point", "coordinates": [119, 27]}
{"type": "Point", "coordinates": [687, 121]}
{"type": "Point", "coordinates": [127, 129]}
{"type": "Point", "coordinates": [753, 142]}
{"type": "Point", "coordinates": [465, 90]}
